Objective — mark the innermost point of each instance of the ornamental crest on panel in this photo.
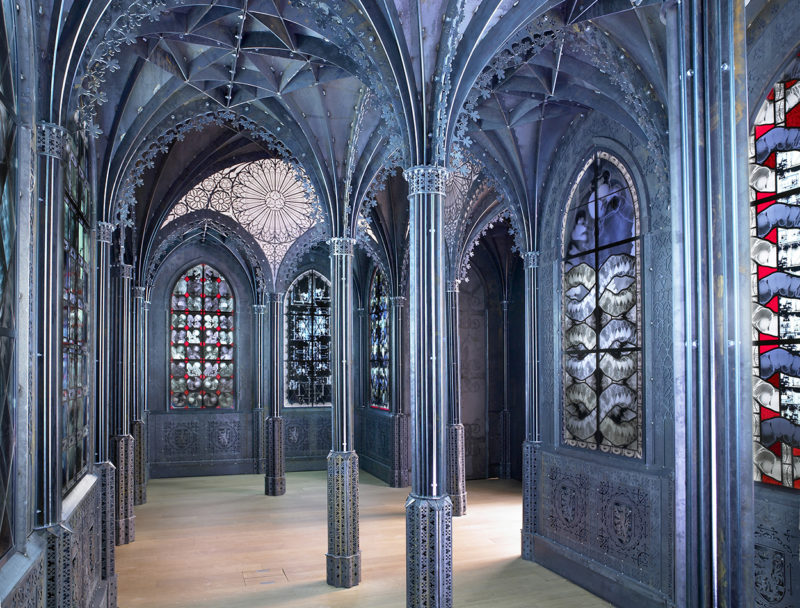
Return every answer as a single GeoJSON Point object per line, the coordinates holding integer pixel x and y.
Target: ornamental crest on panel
{"type": "Point", "coordinates": [770, 573]}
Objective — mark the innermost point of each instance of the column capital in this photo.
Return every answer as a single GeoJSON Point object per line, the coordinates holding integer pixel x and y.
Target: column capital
{"type": "Point", "coordinates": [51, 140]}
{"type": "Point", "coordinates": [341, 245]}
{"type": "Point", "coordinates": [275, 297]}
{"type": "Point", "coordinates": [531, 259]}
{"type": "Point", "coordinates": [105, 231]}
{"type": "Point", "coordinates": [398, 301]}
{"type": "Point", "coordinates": [126, 271]}
{"type": "Point", "coordinates": [139, 292]}
{"type": "Point", "coordinates": [452, 286]}
{"type": "Point", "coordinates": [426, 179]}
{"type": "Point", "coordinates": [259, 309]}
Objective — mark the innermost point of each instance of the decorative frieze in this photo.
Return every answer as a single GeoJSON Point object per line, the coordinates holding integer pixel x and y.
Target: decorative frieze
{"type": "Point", "coordinates": [105, 232]}
{"type": "Point", "coordinates": [426, 179]}
{"type": "Point", "coordinates": [341, 246]}
{"type": "Point", "coordinates": [531, 259]}
{"type": "Point", "coordinates": [51, 140]}
{"type": "Point", "coordinates": [126, 271]}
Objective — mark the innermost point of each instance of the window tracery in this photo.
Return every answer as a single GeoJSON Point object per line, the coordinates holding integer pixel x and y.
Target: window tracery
{"type": "Point", "coordinates": [379, 341]}
{"type": "Point", "coordinates": [202, 341]}
{"type": "Point", "coordinates": [269, 198]}
{"type": "Point", "coordinates": [75, 445]}
{"type": "Point", "coordinates": [775, 272]}
{"type": "Point", "coordinates": [308, 341]}
{"type": "Point", "coordinates": [602, 405]}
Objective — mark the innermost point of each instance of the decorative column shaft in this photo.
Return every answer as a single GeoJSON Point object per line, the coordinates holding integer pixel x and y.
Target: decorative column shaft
{"type": "Point", "coordinates": [401, 469]}
{"type": "Point", "coordinates": [262, 371]}
{"type": "Point", "coordinates": [505, 415]}
{"type": "Point", "coordinates": [344, 556]}
{"type": "Point", "coordinates": [124, 446]}
{"type": "Point", "coordinates": [532, 444]}
{"type": "Point", "coordinates": [51, 142]}
{"type": "Point", "coordinates": [708, 132]}
{"type": "Point", "coordinates": [139, 394]}
{"type": "Point", "coordinates": [107, 471]}
{"type": "Point", "coordinates": [429, 510]}
{"type": "Point", "coordinates": [275, 474]}
{"type": "Point", "coordinates": [456, 468]}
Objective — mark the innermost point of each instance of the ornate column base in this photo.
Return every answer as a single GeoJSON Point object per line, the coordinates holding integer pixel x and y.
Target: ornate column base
{"type": "Point", "coordinates": [124, 446]}
{"type": "Point", "coordinates": [108, 572]}
{"type": "Point", "coordinates": [429, 526]}
{"type": "Point", "coordinates": [456, 477]}
{"type": "Point", "coordinates": [58, 574]}
{"type": "Point", "coordinates": [138, 431]}
{"type": "Point", "coordinates": [401, 473]}
{"type": "Point", "coordinates": [275, 479]}
{"type": "Point", "coordinates": [505, 464]}
{"type": "Point", "coordinates": [530, 498]}
{"type": "Point", "coordinates": [343, 559]}
{"type": "Point", "coordinates": [259, 442]}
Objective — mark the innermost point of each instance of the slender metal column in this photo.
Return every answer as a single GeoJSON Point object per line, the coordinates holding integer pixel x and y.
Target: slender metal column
{"type": "Point", "coordinates": [105, 232]}
{"type": "Point", "coordinates": [401, 470]}
{"type": "Point", "coordinates": [708, 134]}
{"type": "Point", "coordinates": [344, 556]}
{"type": "Point", "coordinates": [456, 469]}
{"type": "Point", "coordinates": [107, 471]}
{"type": "Point", "coordinates": [138, 427]}
{"type": "Point", "coordinates": [505, 415]}
{"type": "Point", "coordinates": [275, 478]}
{"type": "Point", "coordinates": [429, 510]}
{"type": "Point", "coordinates": [124, 445]}
{"type": "Point", "coordinates": [50, 142]}
{"type": "Point", "coordinates": [530, 448]}
{"type": "Point", "coordinates": [261, 370]}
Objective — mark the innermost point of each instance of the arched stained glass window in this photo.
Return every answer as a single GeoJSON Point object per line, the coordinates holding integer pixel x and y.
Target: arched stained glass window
{"type": "Point", "coordinates": [308, 341]}
{"type": "Point", "coordinates": [202, 341]}
{"type": "Point", "coordinates": [602, 404]}
{"type": "Point", "coordinates": [379, 341]}
{"type": "Point", "coordinates": [75, 444]}
{"type": "Point", "coordinates": [775, 250]}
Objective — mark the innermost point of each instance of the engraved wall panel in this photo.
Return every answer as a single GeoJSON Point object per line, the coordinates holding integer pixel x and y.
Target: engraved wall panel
{"type": "Point", "coordinates": [307, 436]}
{"type": "Point", "coordinates": [777, 543]}
{"type": "Point", "coordinates": [613, 517]}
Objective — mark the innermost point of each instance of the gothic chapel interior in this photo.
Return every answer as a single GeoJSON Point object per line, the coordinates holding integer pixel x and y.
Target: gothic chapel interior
{"type": "Point", "coordinates": [421, 303]}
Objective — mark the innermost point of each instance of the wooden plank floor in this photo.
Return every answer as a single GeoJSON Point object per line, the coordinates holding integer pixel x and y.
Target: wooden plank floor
{"type": "Point", "coordinates": [218, 542]}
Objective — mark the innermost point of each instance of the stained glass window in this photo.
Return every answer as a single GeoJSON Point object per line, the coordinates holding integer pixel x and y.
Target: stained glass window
{"type": "Point", "coordinates": [775, 251]}
{"type": "Point", "coordinates": [602, 405]}
{"type": "Point", "coordinates": [75, 310]}
{"type": "Point", "coordinates": [308, 341]}
{"type": "Point", "coordinates": [202, 345]}
{"type": "Point", "coordinates": [8, 243]}
{"type": "Point", "coordinates": [379, 341]}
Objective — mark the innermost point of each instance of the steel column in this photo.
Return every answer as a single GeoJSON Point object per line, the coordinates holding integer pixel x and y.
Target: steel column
{"type": "Point", "coordinates": [275, 478]}
{"type": "Point", "coordinates": [139, 392]}
{"type": "Point", "coordinates": [505, 415]}
{"type": "Point", "coordinates": [456, 468]}
{"type": "Point", "coordinates": [429, 510]}
{"type": "Point", "coordinates": [709, 149]}
{"type": "Point", "coordinates": [262, 369]}
{"type": "Point", "coordinates": [50, 143]}
{"type": "Point", "coordinates": [344, 556]}
{"type": "Point", "coordinates": [400, 466]}
{"type": "Point", "coordinates": [124, 445]}
{"type": "Point", "coordinates": [530, 449]}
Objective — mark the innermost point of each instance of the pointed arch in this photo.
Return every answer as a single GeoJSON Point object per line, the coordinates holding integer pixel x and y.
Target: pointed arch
{"type": "Point", "coordinates": [601, 332]}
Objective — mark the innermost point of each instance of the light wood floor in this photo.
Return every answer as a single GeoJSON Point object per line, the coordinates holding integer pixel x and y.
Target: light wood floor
{"type": "Point", "coordinates": [218, 542]}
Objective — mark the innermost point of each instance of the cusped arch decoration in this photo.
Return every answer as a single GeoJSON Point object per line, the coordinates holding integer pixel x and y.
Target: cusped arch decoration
{"type": "Point", "coordinates": [231, 236]}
